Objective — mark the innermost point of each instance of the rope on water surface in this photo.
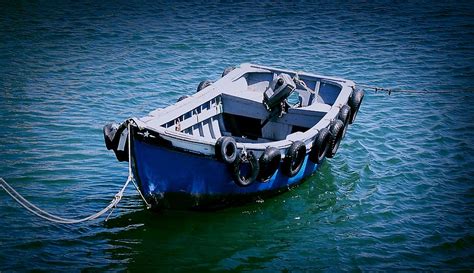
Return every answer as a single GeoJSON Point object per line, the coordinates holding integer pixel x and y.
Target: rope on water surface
{"type": "Point", "coordinates": [413, 91]}
{"type": "Point", "coordinates": [57, 219]}
{"type": "Point", "coordinates": [53, 218]}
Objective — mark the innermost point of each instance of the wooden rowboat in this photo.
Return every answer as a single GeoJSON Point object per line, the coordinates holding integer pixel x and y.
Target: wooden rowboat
{"type": "Point", "coordinates": [256, 131]}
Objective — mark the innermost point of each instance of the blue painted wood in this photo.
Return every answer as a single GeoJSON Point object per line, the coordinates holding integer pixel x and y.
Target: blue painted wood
{"type": "Point", "coordinates": [161, 171]}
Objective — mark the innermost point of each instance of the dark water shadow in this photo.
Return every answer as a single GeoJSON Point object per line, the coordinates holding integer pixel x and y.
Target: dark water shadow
{"type": "Point", "coordinates": [248, 237]}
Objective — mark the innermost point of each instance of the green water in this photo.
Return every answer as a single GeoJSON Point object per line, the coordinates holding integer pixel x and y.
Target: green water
{"type": "Point", "coordinates": [399, 194]}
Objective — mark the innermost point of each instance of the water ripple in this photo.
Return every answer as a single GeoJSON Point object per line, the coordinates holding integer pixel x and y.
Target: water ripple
{"type": "Point", "coordinates": [398, 195]}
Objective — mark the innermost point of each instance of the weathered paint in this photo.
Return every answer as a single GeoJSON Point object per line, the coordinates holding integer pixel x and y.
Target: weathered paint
{"type": "Point", "coordinates": [162, 171]}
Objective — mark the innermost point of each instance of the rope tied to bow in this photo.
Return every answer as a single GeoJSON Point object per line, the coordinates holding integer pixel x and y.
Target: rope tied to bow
{"type": "Point", "coordinates": [57, 219]}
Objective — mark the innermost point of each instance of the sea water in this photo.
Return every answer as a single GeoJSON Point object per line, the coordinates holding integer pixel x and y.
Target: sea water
{"type": "Point", "coordinates": [398, 195]}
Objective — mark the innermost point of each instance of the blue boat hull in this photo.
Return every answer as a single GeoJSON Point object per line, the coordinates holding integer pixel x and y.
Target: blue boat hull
{"type": "Point", "coordinates": [175, 179]}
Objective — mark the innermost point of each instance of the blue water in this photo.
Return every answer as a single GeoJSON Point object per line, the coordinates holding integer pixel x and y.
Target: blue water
{"type": "Point", "coordinates": [398, 195]}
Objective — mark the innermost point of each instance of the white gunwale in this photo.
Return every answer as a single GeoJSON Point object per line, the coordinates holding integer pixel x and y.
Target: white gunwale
{"type": "Point", "coordinates": [228, 95]}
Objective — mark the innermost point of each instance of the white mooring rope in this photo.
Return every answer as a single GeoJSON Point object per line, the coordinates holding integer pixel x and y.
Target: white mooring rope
{"type": "Point", "coordinates": [53, 218]}
{"type": "Point", "coordinates": [412, 91]}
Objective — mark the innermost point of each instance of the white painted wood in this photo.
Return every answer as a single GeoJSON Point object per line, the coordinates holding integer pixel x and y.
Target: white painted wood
{"type": "Point", "coordinates": [206, 130]}
{"type": "Point", "coordinates": [240, 92]}
{"type": "Point", "coordinates": [215, 128]}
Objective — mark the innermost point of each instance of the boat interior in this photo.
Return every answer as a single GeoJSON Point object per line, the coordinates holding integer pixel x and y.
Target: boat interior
{"type": "Point", "coordinates": [238, 110]}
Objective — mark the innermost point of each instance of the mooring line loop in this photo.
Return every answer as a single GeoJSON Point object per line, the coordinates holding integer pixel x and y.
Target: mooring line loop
{"type": "Point", "coordinates": [53, 218]}
{"type": "Point", "coordinates": [148, 206]}
{"type": "Point", "coordinates": [130, 172]}
{"type": "Point", "coordinates": [57, 219]}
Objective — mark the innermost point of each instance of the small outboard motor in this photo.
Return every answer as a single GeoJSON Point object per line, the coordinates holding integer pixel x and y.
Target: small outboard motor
{"type": "Point", "coordinates": [278, 90]}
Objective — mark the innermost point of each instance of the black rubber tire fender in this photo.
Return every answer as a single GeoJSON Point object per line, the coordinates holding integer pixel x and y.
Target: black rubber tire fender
{"type": "Point", "coordinates": [182, 98]}
{"type": "Point", "coordinates": [354, 102]}
{"type": "Point", "coordinates": [122, 155]}
{"type": "Point", "coordinates": [336, 129]}
{"type": "Point", "coordinates": [110, 130]}
{"type": "Point", "coordinates": [247, 178]}
{"type": "Point", "coordinates": [227, 70]}
{"type": "Point", "coordinates": [269, 162]}
{"type": "Point", "coordinates": [112, 133]}
{"type": "Point", "coordinates": [320, 146]}
{"type": "Point", "coordinates": [118, 133]}
{"type": "Point", "coordinates": [345, 117]}
{"type": "Point", "coordinates": [294, 159]}
{"type": "Point", "coordinates": [226, 149]}
{"type": "Point", "coordinates": [203, 85]}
